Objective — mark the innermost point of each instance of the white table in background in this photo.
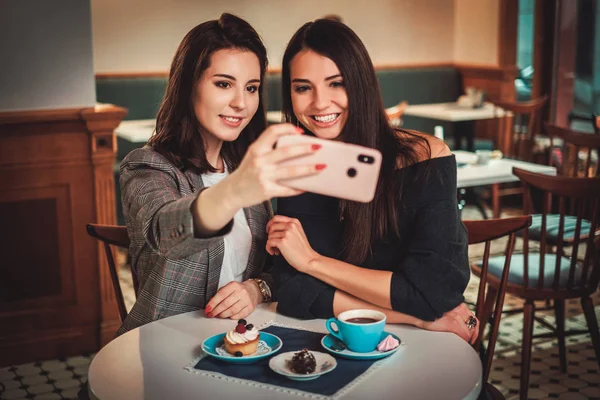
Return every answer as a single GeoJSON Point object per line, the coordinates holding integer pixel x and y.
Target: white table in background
{"type": "Point", "coordinates": [496, 171]}
{"type": "Point", "coordinates": [136, 131]}
{"type": "Point", "coordinates": [453, 112]}
{"type": "Point", "coordinates": [461, 116]}
{"type": "Point", "coordinates": [148, 363]}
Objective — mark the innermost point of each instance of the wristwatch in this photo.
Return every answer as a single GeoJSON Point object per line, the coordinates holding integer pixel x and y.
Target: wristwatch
{"type": "Point", "coordinates": [265, 290]}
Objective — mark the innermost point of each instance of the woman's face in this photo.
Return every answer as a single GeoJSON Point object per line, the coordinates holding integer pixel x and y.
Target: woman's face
{"type": "Point", "coordinates": [319, 98]}
{"type": "Point", "coordinates": [226, 96]}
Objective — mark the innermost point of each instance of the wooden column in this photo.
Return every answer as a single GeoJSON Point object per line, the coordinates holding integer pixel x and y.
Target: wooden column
{"type": "Point", "coordinates": [508, 32]}
{"type": "Point", "coordinates": [56, 175]}
{"type": "Point", "coordinates": [563, 93]}
{"type": "Point", "coordinates": [543, 51]}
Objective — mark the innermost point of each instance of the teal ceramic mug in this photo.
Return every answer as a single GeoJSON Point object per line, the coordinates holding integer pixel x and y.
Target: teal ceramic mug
{"type": "Point", "coordinates": [360, 330]}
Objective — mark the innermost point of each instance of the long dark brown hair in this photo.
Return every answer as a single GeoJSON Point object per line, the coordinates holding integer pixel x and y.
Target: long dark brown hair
{"type": "Point", "coordinates": [177, 134]}
{"type": "Point", "coordinates": [366, 125]}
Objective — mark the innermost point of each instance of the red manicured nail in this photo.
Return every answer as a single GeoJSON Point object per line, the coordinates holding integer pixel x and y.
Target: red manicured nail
{"type": "Point", "coordinates": [207, 309]}
{"type": "Point", "coordinates": [315, 146]}
{"type": "Point", "coordinates": [209, 315]}
{"type": "Point", "coordinates": [299, 130]}
{"type": "Point", "coordinates": [320, 167]}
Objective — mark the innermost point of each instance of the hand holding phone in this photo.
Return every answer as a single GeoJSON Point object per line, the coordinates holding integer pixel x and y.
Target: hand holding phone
{"type": "Point", "coordinates": [352, 171]}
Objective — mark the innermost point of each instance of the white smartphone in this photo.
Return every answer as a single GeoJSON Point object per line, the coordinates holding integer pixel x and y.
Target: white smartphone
{"type": "Point", "coordinates": [352, 171]}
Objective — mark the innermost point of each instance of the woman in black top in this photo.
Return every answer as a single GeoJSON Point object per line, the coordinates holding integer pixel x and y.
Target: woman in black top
{"type": "Point", "coordinates": [405, 253]}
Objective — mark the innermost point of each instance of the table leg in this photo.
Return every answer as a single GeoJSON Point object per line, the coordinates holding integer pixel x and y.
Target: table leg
{"type": "Point", "coordinates": [468, 195]}
{"type": "Point", "coordinates": [496, 200]}
{"type": "Point", "coordinates": [462, 202]}
{"type": "Point", "coordinates": [464, 129]}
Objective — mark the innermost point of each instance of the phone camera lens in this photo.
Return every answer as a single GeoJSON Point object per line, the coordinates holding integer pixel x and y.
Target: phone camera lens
{"type": "Point", "coordinates": [366, 159]}
{"type": "Point", "coordinates": [351, 172]}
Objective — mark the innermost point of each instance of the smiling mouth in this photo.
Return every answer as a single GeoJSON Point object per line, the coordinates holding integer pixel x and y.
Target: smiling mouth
{"type": "Point", "coordinates": [326, 118]}
{"type": "Point", "coordinates": [233, 120]}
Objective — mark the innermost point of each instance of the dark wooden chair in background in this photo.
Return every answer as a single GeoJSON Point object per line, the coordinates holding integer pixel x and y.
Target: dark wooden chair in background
{"type": "Point", "coordinates": [395, 113]}
{"type": "Point", "coordinates": [582, 120]}
{"type": "Point", "coordinates": [566, 159]}
{"type": "Point", "coordinates": [115, 236]}
{"type": "Point", "coordinates": [519, 134]}
{"type": "Point", "coordinates": [551, 273]}
{"type": "Point", "coordinates": [484, 231]}
{"type": "Point", "coordinates": [576, 154]}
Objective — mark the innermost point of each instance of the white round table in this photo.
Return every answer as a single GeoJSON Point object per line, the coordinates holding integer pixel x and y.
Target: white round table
{"type": "Point", "coordinates": [149, 363]}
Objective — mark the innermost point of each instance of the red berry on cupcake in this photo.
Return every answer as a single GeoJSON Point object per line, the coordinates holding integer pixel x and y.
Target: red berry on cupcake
{"type": "Point", "coordinates": [240, 328]}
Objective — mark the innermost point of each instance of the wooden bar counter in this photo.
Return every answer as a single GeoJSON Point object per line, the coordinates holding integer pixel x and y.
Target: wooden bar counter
{"type": "Point", "coordinates": [56, 175]}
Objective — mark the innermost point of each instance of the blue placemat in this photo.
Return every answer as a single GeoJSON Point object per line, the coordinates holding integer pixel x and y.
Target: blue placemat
{"type": "Point", "coordinates": [293, 340]}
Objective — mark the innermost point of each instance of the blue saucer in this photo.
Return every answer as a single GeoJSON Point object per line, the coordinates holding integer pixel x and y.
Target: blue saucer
{"type": "Point", "coordinates": [330, 343]}
{"type": "Point", "coordinates": [268, 344]}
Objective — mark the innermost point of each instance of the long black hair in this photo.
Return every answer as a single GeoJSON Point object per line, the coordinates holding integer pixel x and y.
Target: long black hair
{"type": "Point", "coordinates": [366, 125]}
{"type": "Point", "coordinates": [177, 134]}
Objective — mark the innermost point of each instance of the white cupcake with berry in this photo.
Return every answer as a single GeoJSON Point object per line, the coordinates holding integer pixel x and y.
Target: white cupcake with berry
{"type": "Point", "coordinates": [241, 341]}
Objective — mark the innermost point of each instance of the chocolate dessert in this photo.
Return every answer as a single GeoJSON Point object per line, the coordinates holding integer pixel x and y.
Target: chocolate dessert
{"type": "Point", "coordinates": [303, 362]}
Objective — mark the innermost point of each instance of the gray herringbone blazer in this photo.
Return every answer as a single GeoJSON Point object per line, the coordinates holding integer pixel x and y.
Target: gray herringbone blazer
{"type": "Point", "coordinates": [177, 272]}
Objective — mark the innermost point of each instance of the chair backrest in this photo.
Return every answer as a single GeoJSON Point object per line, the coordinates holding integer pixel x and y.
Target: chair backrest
{"type": "Point", "coordinates": [116, 236]}
{"type": "Point", "coordinates": [484, 231]}
{"type": "Point", "coordinates": [397, 111]}
{"type": "Point", "coordinates": [581, 121]}
{"type": "Point", "coordinates": [575, 144]}
{"type": "Point", "coordinates": [516, 132]}
{"type": "Point", "coordinates": [578, 226]}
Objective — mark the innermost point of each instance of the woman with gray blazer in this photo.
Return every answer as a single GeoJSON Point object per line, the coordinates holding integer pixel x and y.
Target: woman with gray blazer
{"type": "Point", "coordinates": [196, 198]}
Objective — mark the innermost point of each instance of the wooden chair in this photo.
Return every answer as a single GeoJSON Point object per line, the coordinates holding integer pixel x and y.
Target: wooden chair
{"type": "Point", "coordinates": [484, 231]}
{"type": "Point", "coordinates": [571, 147]}
{"type": "Point", "coordinates": [593, 120]}
{"type": "Point", "coordinates": [116, 236]}
{"type": "Point", "coordinates": [518, 134]}
{"type": "Point", "coordinates": [395, 113]}
{"type": "Point", "coordinates": [552, 275]}
{"type": "Point", "coordinates": [566, 158]}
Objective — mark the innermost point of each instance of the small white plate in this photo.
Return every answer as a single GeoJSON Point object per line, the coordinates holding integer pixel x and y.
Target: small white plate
{"type": "Point", "coordinates": [280, 364]}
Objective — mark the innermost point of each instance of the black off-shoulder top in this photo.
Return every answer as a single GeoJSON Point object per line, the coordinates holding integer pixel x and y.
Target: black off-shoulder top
{"type": "Point", "coordinates": [429, 262]}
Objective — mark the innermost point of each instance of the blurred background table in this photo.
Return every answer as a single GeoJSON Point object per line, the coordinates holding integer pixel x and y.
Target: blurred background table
{"type": "Point", "coordinates": [462, 117]}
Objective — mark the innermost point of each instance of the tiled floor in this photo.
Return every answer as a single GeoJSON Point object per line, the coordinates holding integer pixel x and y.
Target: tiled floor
{"type": "Point", "coordinates": [61, 379]}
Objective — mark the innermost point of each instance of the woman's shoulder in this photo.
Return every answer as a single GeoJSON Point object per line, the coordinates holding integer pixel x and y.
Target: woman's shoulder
{"type": "Point", "coordinates": [432, 175]}
{"type": "Point", "coordinates": [425, 146]}
{"type": "Point", "coordinates": [147, 157]}
{"type": "Point", "coordinates": [144, 154]}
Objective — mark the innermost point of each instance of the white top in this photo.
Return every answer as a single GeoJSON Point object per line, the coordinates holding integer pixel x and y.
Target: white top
{"type": "Point", "coordinates": [149, 363]}
{"type": "Point", "coordinates": [237, 242]}
{"type": "Point", "coordinates": [495, 171]}
{"type": "Point", "coordinates": [454, 112]}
